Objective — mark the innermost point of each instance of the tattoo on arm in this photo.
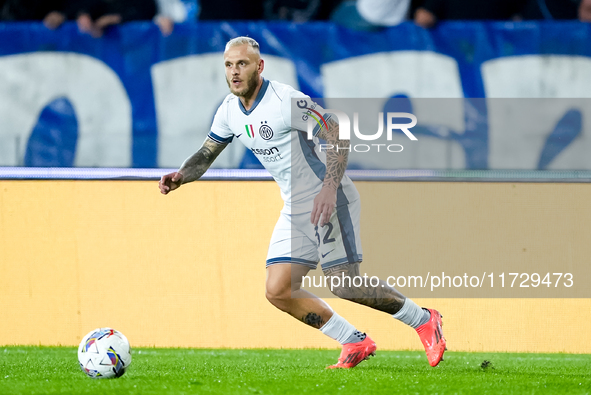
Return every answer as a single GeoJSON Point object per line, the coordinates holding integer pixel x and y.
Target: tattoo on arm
{"type": "Point", "coordinates": [382, 297]}
{"type": "Point", "coordinates": [197, 164]}
{"type": "Point", "coordinates": [337, 156]}
{"type": "Point", "coordinates": [313, 320]}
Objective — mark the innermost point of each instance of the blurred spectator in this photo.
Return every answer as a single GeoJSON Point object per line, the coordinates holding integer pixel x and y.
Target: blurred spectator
{"type": "Point", "coordinates": [299, 11]}
{"type": "Point", "coordinates": [550, 9]}
{"type": "Point", "coordinates": [585, 11]}
{"type": "Point", "coordinates": [169, 13]}
{"type": "Point", "coordinates": [432, 11]}
{"type": "Point", "coordinates": [557, 9]}
{"type": "Point", "coordinates": [371, 14]}
{"type": "Point", "coordinates": [94, 16]}
{"type": "Point", "coordinates": [384, 12]}
{"type": "Point", "coordinates": [231, 10]}
{"type": "Point", "coordinates": [51, 12]}
{"type": "Point", "coordinates": [285, 10]}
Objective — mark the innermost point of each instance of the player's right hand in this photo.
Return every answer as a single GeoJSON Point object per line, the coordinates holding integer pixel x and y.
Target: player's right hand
{"type": "Point", "coordinates": [170, 182]}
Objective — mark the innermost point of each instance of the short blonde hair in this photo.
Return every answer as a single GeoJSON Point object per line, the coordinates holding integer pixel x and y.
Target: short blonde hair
{"type": "Point", "coordinates": [244, 40]}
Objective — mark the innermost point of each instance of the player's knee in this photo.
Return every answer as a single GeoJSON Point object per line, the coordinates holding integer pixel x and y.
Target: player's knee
{"type": "Point", "coordinates": [277, 294]}
{"type": "Point", "coordinates": [343, 291]}
{"type": "Point", "coordinates": [341, 281]}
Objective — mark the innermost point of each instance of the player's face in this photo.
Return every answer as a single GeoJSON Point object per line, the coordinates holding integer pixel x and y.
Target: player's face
{"type": "Point", "coordinates": [243, 67]}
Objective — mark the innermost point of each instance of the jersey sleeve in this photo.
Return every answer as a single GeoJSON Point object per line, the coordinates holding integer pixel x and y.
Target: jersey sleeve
{"type": "Point", "coordinates": [298, 109]}
{"type": "Point", "coordinates": [220, 131]}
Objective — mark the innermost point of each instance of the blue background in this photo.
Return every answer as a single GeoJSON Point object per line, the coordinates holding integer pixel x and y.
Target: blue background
{"type": "Point", "coordinates": [132, 49]}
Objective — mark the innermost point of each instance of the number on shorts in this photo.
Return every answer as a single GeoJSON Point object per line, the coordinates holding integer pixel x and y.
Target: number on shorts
{"type": "Point", "coordinates": [327, 239]}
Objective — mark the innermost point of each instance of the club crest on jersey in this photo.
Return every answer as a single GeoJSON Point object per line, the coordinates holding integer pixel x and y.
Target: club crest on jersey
{"type": "Point", "coordinates": [265, 131]}
{"type": "Point", "coordinates": [249, 131]}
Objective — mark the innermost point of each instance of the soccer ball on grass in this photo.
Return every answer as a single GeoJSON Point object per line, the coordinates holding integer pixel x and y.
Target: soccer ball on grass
{"type": "Point", "coordinates": [104, 353]}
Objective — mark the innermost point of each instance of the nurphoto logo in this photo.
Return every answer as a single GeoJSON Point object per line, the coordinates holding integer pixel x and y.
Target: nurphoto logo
{"type": "Point", "coordinates": [393, 122]}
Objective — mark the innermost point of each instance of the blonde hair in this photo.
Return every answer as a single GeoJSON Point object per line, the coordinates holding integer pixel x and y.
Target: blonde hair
{"type": "Point", "coordinates": [244, 40]}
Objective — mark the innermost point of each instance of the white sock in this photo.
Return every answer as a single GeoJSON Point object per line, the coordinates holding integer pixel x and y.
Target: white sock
{"type": "Point", "coordinates": [341, 330]}
{"type": "Point", "coordinates": [411, 314]}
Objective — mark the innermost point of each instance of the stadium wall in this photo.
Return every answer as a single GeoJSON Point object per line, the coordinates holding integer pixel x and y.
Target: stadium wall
{"type": "Point", "coordinates": [187, 270]}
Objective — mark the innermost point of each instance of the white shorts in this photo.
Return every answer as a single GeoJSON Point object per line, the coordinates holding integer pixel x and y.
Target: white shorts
{"type": "Point", "coordinates": [296, 240]}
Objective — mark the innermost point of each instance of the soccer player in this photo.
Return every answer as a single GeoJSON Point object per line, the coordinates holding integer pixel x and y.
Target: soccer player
{"type": "Point", "coordinates": [319, 222]}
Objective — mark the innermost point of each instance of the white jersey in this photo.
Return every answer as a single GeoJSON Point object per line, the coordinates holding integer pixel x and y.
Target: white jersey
{"type": "Point", "coordinates": [279, 140]}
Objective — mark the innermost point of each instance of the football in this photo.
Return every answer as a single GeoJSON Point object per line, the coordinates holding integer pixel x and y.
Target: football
{"type": "Point", "coordinates": [104, 353]}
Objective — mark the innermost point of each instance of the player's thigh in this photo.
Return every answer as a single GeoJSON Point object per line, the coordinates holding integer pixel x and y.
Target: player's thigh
{"type": "Point", "coordinates": [291, 255]}
{"type": "Point", "coordinates": [284, 278]}
{"type": "Point", "coordinates": [291, 244]}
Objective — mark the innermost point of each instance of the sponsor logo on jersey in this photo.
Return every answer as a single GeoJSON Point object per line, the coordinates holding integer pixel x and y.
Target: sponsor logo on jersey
{"type": "Point", "coordinates": [249, 131]}
{"type": "Point", "coordinates": [267, 154]}
{"type": "Point", "coordinates": [310, 113]}
{"type": "Point", "coordinates": [265, 131]}
{"type": "Point", "coordinates": [324, 255]}
{"type": "Point", "coordinates": [265, 151]}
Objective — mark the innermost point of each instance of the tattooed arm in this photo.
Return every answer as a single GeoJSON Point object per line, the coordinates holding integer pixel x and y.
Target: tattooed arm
{"type": "Point", "coordinates": [336, 163]}
{"type": "Point", "coordinates": [336, 159]}
{"type": "Point", "coordinates": [193, 168]}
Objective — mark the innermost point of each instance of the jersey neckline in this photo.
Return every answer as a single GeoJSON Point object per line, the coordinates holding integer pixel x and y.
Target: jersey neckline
{"type": "Point", "coordinates": [257, 100]}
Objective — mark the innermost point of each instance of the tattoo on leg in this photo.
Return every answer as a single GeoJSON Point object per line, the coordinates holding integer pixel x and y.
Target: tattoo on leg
{"type": "Point", "coordinates": [383, 297]}
{"type": "Point", "coordinates": [314, 320]}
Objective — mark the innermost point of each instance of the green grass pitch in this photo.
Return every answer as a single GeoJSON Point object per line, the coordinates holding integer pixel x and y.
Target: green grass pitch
{"type": "Point", "coordinates": [54, 370]}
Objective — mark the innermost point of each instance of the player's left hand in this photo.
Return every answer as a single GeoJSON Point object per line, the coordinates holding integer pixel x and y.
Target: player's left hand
{"type": "Point", "coordinates": [324, 204]}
